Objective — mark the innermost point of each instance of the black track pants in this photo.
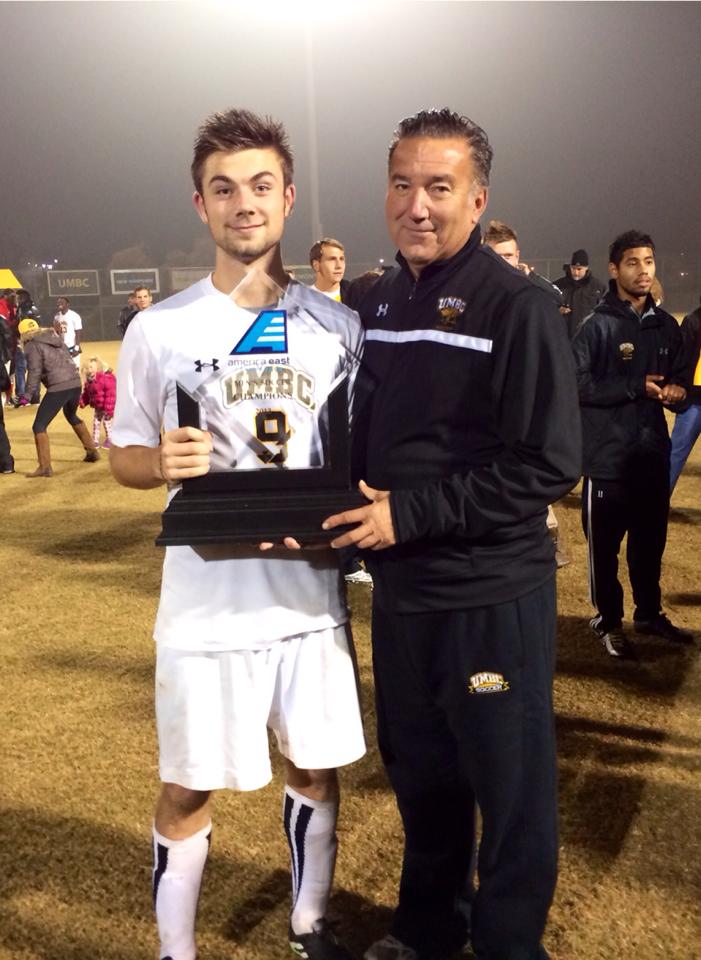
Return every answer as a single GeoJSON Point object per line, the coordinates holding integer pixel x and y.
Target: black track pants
{"type": "Point", "coordinates": [464, 712]}
{"type": "Point", "coordinates": [638, 506]}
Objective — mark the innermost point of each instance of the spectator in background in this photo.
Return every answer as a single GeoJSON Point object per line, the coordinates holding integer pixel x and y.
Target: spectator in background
{"type": "Point", "coordinates": [49, 361]}
{"type": "Point", "coordinates": [328, 261]}
{"type": "Point", "coordinates": [25, 311]}
{"type": "Point", "coordinates": [100, 393]}
{"type": "Point", "coordinates": [687, 424]}
{"type": "Point", "coordinates": [504, 242]}
{"type": "Point", "coordinates": [7, 463]}
{"type": "Point", "coordinates": [126, 314]}
{"type": "Point", "coordinates": [630, 364]}
{"type": "Point", "coordinates": [581, 291]}
{"type": "Point", "coordinates": [143, 298]}
{"type": "Point", "coordinates": [69, 326]}
{"type": "Point", "coordinates": [8, 313]}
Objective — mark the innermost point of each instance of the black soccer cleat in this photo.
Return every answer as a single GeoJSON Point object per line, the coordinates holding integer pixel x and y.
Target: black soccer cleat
{"type": "Point", "coordinates": [320, 944]}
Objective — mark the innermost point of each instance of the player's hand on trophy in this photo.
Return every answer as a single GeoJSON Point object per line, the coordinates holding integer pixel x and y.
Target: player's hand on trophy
{"type": "Point", "coordinates": [289, 543]}
{"type": "Point", "coordinates": [374, 530]}
{"type": "Point", "coordinates": [184, 452]}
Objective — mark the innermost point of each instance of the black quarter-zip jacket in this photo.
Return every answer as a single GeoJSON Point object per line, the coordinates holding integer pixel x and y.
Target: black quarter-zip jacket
{"type": "Point", "coordinates": [473, 424]}
{"type": "Point", "coordinates": [614, 350]}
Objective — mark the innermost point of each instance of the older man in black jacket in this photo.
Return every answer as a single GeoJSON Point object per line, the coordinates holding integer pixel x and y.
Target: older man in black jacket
{"type": "Point", "coordinates": [471, 432]}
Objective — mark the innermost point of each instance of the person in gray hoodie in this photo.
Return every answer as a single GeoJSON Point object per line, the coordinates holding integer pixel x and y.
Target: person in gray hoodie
{"type": "Point", "coordinates": [49, 362]}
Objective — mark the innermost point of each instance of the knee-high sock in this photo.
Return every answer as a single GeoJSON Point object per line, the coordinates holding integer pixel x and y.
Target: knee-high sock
{"type": "Point", "coordinates": [177, 874]}
{"type": "Point", "coordinates": [310, 826]}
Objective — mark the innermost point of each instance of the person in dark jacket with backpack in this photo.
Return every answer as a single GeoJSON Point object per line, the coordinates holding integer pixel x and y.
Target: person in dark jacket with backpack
{"type": "Point", "coordinates": [630, 365]}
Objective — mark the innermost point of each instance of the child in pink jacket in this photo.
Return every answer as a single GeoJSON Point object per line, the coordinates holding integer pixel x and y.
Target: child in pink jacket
{"type": "Point", "coordinates": [100, 393]}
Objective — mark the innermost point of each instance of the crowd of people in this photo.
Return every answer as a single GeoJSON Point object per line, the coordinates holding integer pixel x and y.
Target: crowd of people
{"type": "Point", "coordinates": [33, 356]}
{"type": "Point", "coordinates": [486, 392]}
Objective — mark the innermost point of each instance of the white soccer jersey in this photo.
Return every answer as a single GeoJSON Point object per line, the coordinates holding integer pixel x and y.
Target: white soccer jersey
{"type": "Point", "coordinates": [68, 322]}
{"type": "Point", "coordinates": [260, 379]}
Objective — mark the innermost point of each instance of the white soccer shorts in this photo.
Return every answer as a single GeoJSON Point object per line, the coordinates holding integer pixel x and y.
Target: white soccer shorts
{"type": "Point", "coordinates": [213, 710]}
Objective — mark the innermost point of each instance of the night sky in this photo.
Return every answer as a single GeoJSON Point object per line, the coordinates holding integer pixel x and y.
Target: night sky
{"type": "Point", "coordinates": [592, 108]}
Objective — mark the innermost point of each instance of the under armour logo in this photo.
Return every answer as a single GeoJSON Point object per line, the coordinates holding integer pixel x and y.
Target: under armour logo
{"type": "Point", "coordinates": [200, 365]}
{"type": "Point", "coordinates": [382, 310]}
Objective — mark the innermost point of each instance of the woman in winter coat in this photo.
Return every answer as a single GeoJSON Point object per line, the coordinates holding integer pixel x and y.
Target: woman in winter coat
{"type": "Point", "coordinates": [49, 362]}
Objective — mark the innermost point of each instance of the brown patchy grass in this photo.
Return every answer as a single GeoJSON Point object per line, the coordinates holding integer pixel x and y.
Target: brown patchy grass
{"type": "Point", "coordinates": [78, 772]}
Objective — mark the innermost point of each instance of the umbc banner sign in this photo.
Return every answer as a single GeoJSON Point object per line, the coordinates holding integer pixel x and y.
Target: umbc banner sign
{"type": "Point", "coordinates": [73, 283]}
{"type": "Point", "coordinates": [125, 281]}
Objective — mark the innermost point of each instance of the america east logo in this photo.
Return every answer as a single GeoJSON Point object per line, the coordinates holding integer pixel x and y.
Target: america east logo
{"type": "Point", "coordinates": [267, 334]}
{"type": "Point", "coordinates": [262, 368]}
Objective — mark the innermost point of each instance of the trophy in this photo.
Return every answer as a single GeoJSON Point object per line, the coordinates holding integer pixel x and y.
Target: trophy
{"type": "Point", "coordinates": [290, 471]}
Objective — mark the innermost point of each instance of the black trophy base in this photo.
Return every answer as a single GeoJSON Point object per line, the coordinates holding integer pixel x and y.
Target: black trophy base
{"type": "Point", "coordinates": [254, 518]}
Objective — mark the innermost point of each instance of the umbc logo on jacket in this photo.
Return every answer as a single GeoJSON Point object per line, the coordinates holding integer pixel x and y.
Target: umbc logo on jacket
{"type": "Point", "coordinates": [488, 683]}
{"type": "Point", "coordinates": [626, 350]}
{"type": "Point", "coordinates": [449, 308]}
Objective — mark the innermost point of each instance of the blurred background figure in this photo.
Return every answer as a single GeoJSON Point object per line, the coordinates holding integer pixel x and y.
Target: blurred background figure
{"type": "Point", "coordinates": [100, 393]}
{"type": "Point", "coordinates": [687, 424]}
{"type": "Point", "coordinates": [7, 463]}
{"type": "Point", "coordinates": [8, 313]}
{"type": "Point", "coordinates": [49, 362]}
{"type": "Point", "coordinates": [69, 326]}
{"type": "Point", "coordinates": [140, 299]}
{"type": "Point", "coordinates": [503, 241]}
{"type": "Point", "coordinates": [126, 314]}
{"type": "Point", "coordinates": [25, 311]}
{"type": "Point", "coordinates": [581, 291]}
{"type": "Point", "coordinates": [328, 261]}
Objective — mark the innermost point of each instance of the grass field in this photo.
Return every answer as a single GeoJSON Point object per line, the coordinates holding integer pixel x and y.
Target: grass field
{"type": "Point", "coordinates": [78, 770]}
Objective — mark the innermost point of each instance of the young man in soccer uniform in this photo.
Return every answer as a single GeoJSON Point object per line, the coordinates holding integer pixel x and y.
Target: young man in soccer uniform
{"type": "Point", "coordinates": [245, 640]}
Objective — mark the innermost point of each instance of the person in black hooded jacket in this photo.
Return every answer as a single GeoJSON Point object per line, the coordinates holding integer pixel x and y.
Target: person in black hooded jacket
{"type": "Point", "coordinates": [630, 364]}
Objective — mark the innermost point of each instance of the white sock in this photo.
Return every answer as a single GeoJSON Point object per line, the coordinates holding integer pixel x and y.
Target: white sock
{"type": "Point", "coordinates": [177, 874]}
{"type": "Point", "coordinates": [310, 826]}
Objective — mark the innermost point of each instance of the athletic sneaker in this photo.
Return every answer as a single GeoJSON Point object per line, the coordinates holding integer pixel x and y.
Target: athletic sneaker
{"type": "Point", "coordinates": [320, 944]}
{"type": "Point", "coordinates": [662, 626]}
{"type": "Point", "coordinates": [358, 576]}
{"type": "Point", "coordinates": [613, 641]}
{"type": "Point", "coordinates": [389, 948]}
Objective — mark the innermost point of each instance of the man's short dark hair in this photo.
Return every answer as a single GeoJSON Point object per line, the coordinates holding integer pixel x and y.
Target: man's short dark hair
{"type": "Point", "coordinates": [444, 124]}
{"type": "Point", "coordinates": [65, 299]}
{"type": "Point", "coordinates": [136, 290]}
{"type": "Point", "coordinates": [317, 249]}
{"type": "Point", "coordinates": [499, 232]}
{"type": "Point", "coordinates": [240, 130]}
{"type": "Point", "coordinates": [628, 241]}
